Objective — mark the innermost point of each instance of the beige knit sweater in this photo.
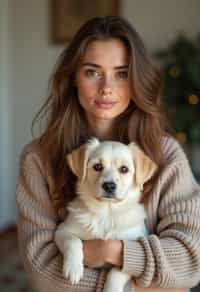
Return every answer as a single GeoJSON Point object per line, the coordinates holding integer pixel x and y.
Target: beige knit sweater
{"type": "Point", "coordinates": [168, 257]}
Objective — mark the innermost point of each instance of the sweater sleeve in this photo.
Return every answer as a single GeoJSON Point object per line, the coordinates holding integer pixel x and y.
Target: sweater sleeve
{"type": "Point", "coordinates": [170, 258]}
{"type": "Point", "coordinates": [37, 222]}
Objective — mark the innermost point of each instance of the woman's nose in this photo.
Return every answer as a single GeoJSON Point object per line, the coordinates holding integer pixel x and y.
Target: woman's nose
{"type": "Point", "coordinates": [106, 86]}
{"type": "Point", "coordinates": [106, 90]}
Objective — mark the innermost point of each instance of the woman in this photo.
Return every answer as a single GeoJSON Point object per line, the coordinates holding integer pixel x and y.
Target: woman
{"type": "Point", "coordinates": [105, 86]}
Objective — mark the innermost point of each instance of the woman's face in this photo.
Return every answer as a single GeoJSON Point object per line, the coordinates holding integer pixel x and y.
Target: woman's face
{"type": "Point", "coordinates": [102, 80]}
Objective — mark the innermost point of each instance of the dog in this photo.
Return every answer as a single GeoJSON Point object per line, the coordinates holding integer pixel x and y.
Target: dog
{"type": "Point", "coordinates": [110, 178]}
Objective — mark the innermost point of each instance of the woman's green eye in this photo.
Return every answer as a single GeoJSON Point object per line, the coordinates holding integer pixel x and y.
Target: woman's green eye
{"type": "Point", "coordinates": [92, 73]}
{"type": "Point", "coordinates": [123, 74]}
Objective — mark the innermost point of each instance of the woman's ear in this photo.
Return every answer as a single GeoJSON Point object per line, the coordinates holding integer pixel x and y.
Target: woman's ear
{"type": "Point", "coordinates": [77, 161]}
{"type": "Point", "coordinates": [144, 166]}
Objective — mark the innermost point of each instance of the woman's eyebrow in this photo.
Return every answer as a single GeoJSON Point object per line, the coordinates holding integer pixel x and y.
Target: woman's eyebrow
{"type": "Point", "coordinates": [98, 66]}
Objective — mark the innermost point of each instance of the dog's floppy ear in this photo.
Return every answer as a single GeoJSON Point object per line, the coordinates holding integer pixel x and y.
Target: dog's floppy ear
{"type": "Point", "coordinates": [145, 167]}
{"type": "Point", "coordinates": [77, 161]}
{"type": "Point", "coordinates": [78, 158]}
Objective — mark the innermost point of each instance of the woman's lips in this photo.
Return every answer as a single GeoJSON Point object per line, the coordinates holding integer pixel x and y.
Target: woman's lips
{"type": "Point", "coordinates": [105, 104]}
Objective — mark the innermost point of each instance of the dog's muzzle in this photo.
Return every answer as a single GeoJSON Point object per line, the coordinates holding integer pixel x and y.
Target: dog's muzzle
{"type": "Point", "coordinates": [109, 188]}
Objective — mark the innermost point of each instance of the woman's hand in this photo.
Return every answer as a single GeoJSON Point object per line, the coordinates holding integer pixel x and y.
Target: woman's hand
{"type": "Point", "coordinates": [100, 252]}
{"type": "Point", "coordinates": [94, 253]}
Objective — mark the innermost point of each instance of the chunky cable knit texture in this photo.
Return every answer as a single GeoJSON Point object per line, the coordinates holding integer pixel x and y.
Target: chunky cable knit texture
{"type": "Point", "coordinates": [168, 257]}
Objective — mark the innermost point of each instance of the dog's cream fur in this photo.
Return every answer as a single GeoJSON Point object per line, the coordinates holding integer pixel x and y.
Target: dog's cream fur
{"type": "Point", "coordinates": [96, 214]}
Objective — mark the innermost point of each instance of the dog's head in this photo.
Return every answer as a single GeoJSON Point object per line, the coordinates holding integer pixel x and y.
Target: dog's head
{"type": "Point", "coordinates": [109, 170]}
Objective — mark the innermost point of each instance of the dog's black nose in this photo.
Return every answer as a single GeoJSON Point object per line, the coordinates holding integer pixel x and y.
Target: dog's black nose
{"type": "Point", "coordinates": [109, 187]}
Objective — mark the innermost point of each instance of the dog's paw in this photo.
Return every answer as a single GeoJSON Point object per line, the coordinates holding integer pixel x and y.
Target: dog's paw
{"type": "Point", "coordinates": [73, 270]}
{"type": "Point", "coordinates": [116, 281]}
{"type": "Point", "coordinates": [111, 288]}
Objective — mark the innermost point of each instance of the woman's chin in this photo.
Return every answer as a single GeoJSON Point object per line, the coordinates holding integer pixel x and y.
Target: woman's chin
{"type": "Point", "coordinates": [103, 114]}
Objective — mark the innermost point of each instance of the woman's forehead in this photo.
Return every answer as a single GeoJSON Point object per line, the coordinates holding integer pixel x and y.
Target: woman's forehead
{"type": "Point", "coordinates": [112, 51]}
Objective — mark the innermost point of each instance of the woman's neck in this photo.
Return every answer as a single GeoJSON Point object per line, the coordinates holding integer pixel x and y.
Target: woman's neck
{"type": "Point", "coordinates": [102, 129]}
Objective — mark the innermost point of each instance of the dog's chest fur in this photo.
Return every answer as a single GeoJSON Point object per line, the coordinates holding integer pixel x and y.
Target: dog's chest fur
{"type": "Point", "coordinates": [106, 223]}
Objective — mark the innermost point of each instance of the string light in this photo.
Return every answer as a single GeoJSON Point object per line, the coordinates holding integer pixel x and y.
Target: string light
{"type": "Point", "coordinates": [174, 71]}
{"type": "Point", "coordinates": [181, 137]}
{"type": "Point", "coordinates": [193, 99]}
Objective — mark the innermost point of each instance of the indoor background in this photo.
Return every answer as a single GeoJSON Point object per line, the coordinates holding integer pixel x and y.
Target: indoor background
{"type": "Point", "coordinates": [27, 57]}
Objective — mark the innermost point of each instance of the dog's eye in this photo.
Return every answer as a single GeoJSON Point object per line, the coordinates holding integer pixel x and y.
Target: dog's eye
{"type": "Point", "coordinates": [98, 167]}
{"type": "Point", "coordinates": [123, 169]}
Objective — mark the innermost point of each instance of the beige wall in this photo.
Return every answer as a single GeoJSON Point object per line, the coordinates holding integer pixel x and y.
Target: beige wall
{"type": "Point", "coordinates": [29, 58]}
{"type": "Point", "coordinates": [159, 21]}
{"type": "Point", "coordinates": [6, 124]}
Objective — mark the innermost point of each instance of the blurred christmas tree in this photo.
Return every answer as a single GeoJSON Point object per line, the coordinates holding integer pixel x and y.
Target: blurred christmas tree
{"type": "Point", "coordinates": [181, 87]}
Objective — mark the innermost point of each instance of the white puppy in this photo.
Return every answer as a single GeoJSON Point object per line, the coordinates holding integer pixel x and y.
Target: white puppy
{"type": "Point", "coordinates": [110, 179]}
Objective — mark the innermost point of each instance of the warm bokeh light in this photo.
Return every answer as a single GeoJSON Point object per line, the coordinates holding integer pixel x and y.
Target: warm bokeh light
{"type": "Point", "coordinates": [174, 71]}
{"type": "Point", "coordinates": [193, 99]}
{"type": "Point", "coordinates": [181, 137]}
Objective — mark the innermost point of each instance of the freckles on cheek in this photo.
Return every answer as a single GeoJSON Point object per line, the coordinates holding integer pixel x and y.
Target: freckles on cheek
{"type": "Point", "coordinates": [87, 86]}
{"type": "Point", "coordinates": [85, 101]}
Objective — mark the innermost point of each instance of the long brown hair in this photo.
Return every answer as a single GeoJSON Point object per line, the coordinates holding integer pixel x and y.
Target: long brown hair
{"type": "Point", "coordinates": [66, 128]}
